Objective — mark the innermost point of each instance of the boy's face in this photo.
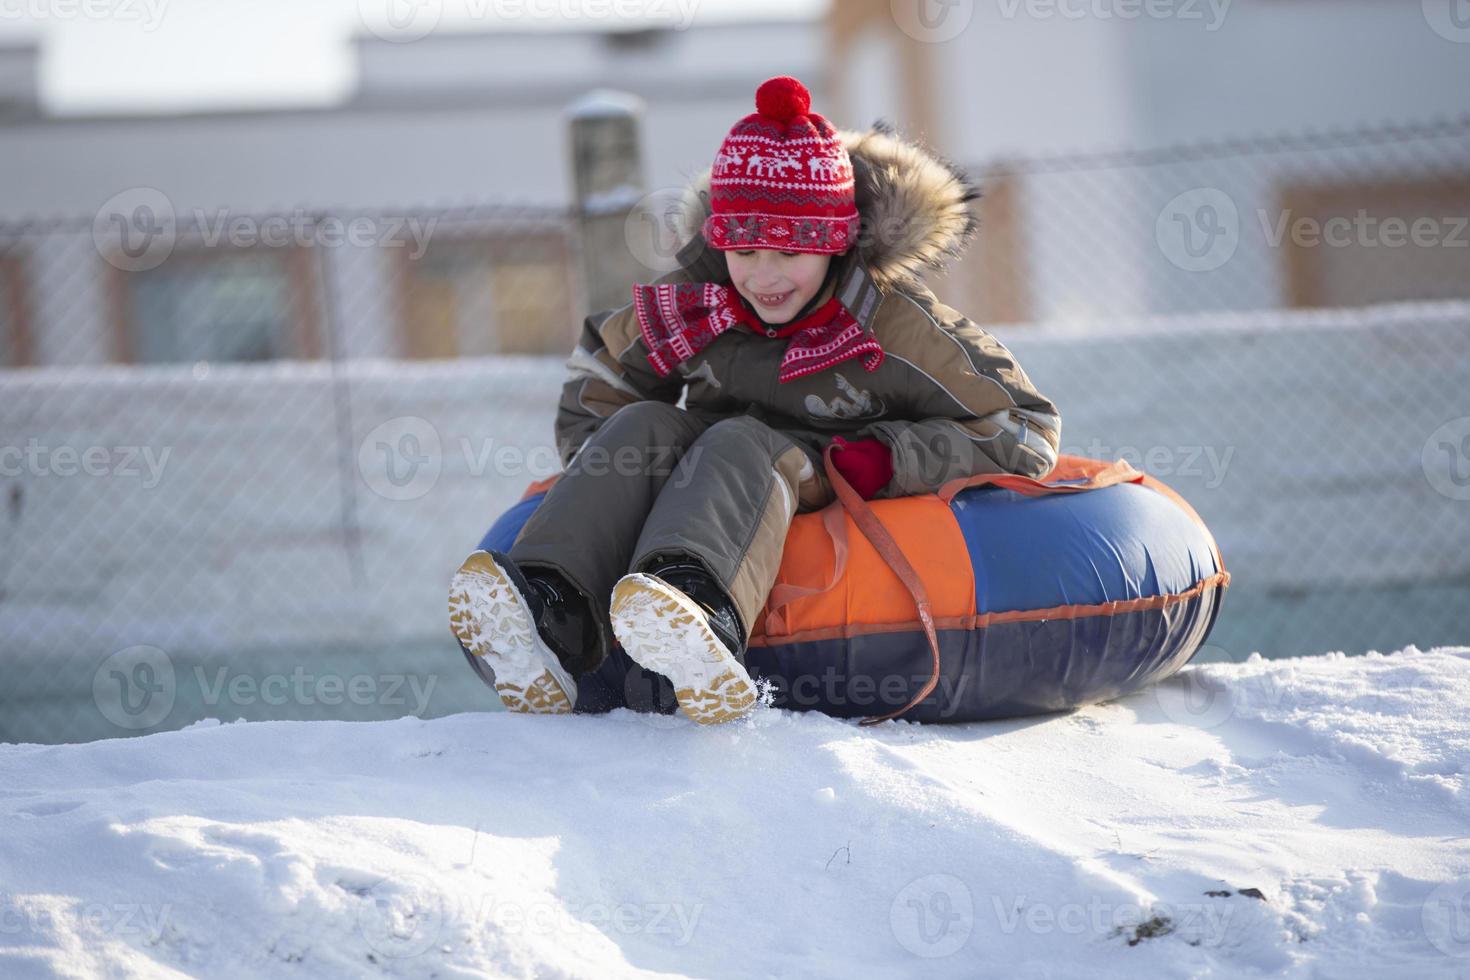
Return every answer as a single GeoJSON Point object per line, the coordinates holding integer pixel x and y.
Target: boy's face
{"type": "Point", "coordinates": [777, 284]}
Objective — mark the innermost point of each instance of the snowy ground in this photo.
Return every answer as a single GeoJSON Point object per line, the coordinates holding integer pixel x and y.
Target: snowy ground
{"type": "Point", "coordinates": [1302, 817]}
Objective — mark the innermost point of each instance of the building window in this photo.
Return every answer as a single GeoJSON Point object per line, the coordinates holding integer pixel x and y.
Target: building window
{"type": "Point", "coordinates": [220, 305]}
{"type": "Point", "coordinates": [642, 41]}
{"type": "Point", "coordinates": [1353, 244]}
{"type": "Point", "coordinates": [471, 297]}
{"type": "Point", "coordinates": [15, 333]}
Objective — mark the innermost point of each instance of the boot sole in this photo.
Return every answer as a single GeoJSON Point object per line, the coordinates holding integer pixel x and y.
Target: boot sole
{"type": "Point", "coordinates": [666, 632]}
{"type": "Point", "coordinates": [492, 619]}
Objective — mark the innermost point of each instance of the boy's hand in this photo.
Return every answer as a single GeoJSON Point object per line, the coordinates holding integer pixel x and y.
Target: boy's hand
{"type": "Point", "coordinates": [866, 464]}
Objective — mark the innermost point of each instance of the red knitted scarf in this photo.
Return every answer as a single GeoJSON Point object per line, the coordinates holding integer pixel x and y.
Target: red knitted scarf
{"type": "Point", "coordinates": [678, 320]}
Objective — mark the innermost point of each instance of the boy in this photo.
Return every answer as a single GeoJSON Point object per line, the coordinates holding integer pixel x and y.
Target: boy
{"type": "Point", "coordinates": [797, 322]}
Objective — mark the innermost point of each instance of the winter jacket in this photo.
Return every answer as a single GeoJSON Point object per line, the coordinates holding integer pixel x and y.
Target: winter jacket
{"type": "Point", "coordinates": [949, 400]}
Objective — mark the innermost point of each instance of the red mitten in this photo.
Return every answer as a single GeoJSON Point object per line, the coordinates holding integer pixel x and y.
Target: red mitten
{"type": "Point", "coordinates": [866, 464]}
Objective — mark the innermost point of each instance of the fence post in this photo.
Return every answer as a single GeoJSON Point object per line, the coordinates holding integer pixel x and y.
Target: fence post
{"type": "Point", "coordinates": [607, 170]}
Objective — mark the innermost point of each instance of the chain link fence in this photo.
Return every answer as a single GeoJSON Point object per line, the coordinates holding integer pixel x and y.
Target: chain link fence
{"type": "Point", "coordinates": [241, 454]}
{"type": "Point", "coordinates": [1312, 220]}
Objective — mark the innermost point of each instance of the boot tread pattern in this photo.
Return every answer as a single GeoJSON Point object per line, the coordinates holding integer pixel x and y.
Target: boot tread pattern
{"type": "Point", "coordinates": [665, 632]}
{"type": "Point", "coordinates": [491, 619]}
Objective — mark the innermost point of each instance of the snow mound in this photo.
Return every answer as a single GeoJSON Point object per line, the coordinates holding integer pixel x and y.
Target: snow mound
{"type": "Point", "coordinates": [1302, 817]}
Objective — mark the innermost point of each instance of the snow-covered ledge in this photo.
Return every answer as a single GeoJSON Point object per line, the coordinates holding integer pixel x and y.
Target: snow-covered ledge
{"type": "Point", "coordinates": [199, 508]}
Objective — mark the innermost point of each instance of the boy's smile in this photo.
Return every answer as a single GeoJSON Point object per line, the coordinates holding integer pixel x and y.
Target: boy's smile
{"type": "Point", "coordinates": [777, 284]}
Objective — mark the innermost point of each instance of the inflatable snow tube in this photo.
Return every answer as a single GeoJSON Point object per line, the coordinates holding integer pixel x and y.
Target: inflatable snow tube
{"type": "Point", "coordinates": [1088, 586]}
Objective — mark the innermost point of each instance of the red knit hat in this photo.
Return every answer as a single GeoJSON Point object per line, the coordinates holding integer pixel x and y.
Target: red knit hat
{"type": "Point", "coordinates": [782, 178]}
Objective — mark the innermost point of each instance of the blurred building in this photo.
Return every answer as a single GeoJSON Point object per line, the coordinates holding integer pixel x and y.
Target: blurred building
{"type": "Point", "coordinates": [1153, 163]}
{"type": "Point", "coordinates": [466, 131]}
{"type": "Point", "coordinates": [1294, 112]}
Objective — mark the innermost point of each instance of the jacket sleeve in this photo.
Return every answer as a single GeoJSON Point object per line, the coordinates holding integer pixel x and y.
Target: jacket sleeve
{"type": "Point", "coordinates": [608, 369]}
{"type": "Point", "coordinates": [976, 410]}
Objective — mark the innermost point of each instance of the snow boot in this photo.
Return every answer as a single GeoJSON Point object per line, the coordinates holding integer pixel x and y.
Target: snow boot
{"type": "Point", "coordinates": [527, 627]}
{"type": "Point", "coordinates": [677, 621]}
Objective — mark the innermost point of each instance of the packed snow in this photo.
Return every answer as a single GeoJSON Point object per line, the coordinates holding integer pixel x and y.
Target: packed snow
{"type": "Point", "coordinates": [1303, 818]}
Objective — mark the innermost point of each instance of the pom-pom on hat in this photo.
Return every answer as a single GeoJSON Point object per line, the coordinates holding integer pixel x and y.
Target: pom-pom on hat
{"type": "Point", "coordinates": [782, 179]}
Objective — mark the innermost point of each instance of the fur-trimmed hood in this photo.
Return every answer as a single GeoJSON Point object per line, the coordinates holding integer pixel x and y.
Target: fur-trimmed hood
{"type": "Point", "coordinates": [915, 210]}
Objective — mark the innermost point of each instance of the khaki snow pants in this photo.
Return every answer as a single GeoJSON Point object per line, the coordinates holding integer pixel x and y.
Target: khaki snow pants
{"type": "Point", "coordinates": [655, 481]}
